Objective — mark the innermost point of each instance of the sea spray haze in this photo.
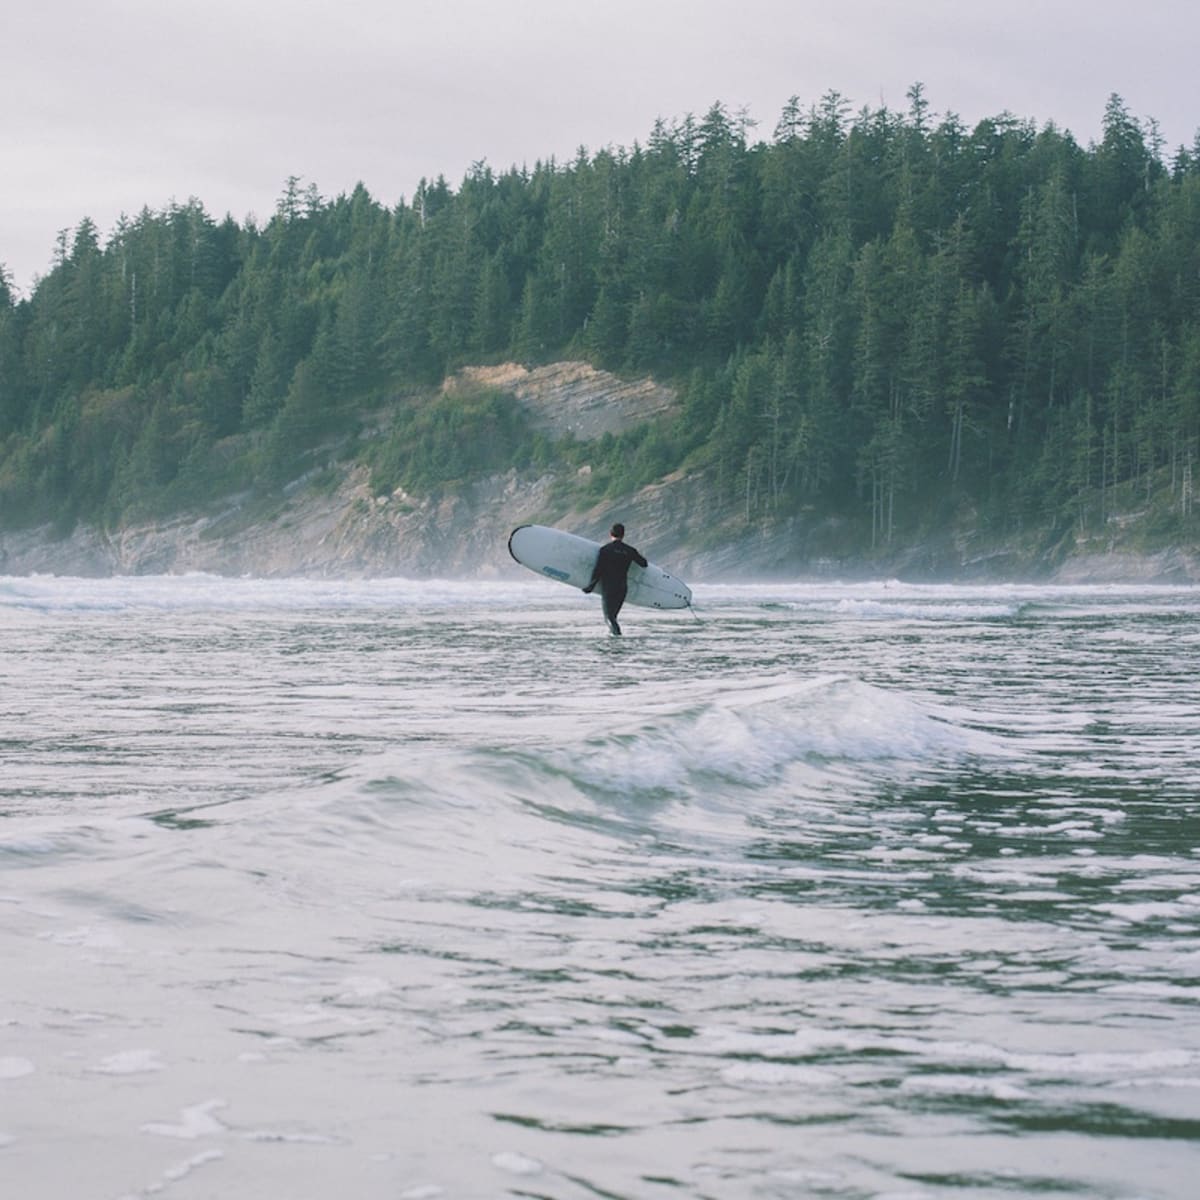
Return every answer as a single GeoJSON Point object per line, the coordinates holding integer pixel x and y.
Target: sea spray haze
{"type": "Point", "coordinates": [395, 890]}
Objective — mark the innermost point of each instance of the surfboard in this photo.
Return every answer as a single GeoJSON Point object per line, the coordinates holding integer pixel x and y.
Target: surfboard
{"type": "Point", "coordinates": [569, 559]}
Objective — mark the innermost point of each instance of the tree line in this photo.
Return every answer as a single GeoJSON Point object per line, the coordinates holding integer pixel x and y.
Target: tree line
{"type": "Point", "coordinates": [884, 315]}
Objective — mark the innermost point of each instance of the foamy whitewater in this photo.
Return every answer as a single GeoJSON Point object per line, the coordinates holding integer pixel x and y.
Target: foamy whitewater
{"type": "Point", "coordinates": [416, 890]}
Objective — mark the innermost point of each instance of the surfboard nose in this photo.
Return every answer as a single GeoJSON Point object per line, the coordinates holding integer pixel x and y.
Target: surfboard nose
{"type": "Point", "coordinates": [510, 542]}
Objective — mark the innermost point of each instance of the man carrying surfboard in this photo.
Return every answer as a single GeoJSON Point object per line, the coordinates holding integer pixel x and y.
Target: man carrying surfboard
{"type": "Point", "coordinates": [611, 573]}
{"type": "Point", "coordinates": [571, 560]}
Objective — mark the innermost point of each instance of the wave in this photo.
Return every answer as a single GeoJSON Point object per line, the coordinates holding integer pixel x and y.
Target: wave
{"type": "Point", "coordinates": [926, 610]}
{"type": "Point", "coordinates": [192, 592]}
{"type": "Point", "coordinates": [883, 600]}
{"type": "Point", "coordinates": [892, 600]}
{"type": "Point", "coordinates": [699, 772]}
{"type": "Point", "coordinates": [750, 734]}
{"type": "Point", "coordinates": [732, 746]}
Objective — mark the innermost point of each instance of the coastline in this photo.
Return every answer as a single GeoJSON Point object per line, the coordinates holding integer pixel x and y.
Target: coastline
{"type": "Point", "coordinates": [349, 533]}
{"type": "Point", "coordinates": [331, 522]}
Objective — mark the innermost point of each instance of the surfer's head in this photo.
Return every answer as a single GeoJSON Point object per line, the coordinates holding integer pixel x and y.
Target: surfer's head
{"type": "Point", "coordinates": [618, 530]}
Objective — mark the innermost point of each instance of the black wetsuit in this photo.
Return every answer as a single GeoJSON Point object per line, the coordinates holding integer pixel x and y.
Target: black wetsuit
{"type": "Point", "coordinates": [612, 568]}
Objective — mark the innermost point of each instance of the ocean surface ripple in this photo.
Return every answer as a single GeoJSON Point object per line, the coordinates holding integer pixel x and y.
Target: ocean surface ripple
{"type": "Point", "coordinates": [418, 890]}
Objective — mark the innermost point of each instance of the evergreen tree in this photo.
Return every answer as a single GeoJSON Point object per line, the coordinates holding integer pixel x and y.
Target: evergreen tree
{"type": "Point", "coordinates": [870, 315]}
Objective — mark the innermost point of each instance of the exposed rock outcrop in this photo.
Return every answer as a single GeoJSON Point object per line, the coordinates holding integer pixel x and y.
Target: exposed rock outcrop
{"type": "Point", "coordinates": [572, 399]}
{"type": "Point", "coordinates": [348, 531]}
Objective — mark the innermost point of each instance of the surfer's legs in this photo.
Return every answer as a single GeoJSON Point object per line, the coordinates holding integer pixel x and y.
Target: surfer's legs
{"type": "Point", "coordinates": [613, 599]}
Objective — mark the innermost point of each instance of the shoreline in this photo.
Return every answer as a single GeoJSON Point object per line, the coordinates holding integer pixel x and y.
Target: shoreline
{"type": "Point", "coordinates": [186, 547]}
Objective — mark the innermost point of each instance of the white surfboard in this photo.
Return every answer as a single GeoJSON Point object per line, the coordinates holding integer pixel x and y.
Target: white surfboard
{"type": "Point", "coordinates": [570, 559]}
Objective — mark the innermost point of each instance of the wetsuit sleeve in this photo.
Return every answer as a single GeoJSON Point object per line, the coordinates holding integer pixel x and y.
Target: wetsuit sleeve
{"type": "Point", "coordinates": [637, 558]}
{"type": "Point", "coordinates": [595, 579]}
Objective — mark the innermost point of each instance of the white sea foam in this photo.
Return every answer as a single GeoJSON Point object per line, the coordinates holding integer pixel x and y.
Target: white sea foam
{"type": "Point", "coordinates": [910, 609]}
{"type": "Point", "coordinates": [287, 1138]}
{"type": "Point", "coordinates": [963, 1085]}
{"type": "Point", "coordinates": [516, 1163]}
{"type": "Point", "coordinates": [773, 1074]}
{"type": "Point", "coordinates": [881, 600]}
{"type": "Point", "coordinates": [195, 1121]}
{"type": "Point", "coordinates": [129, 1062]}
{"type": "Point", "coordinates": [176, 1174]}
{"type": "Point", "coordinates": [212, 593]}
{"type": "Point", "coordinates": [750, 732]}
{"type": "Point", "coordinates": [15, 1067]}
{"type": "Point", "coordinates": [1118, 1065]}
{"type": "Point", "coordinates": [820, 1044]}
{"type": "Point", "coordinates": [1146, 911]}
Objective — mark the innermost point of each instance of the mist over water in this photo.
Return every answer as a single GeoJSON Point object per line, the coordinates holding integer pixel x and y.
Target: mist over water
{"type": "Point", "coordinates": [386, 889]}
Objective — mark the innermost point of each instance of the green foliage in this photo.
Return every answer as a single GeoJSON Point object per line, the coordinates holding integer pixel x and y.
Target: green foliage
{"type": "Point", "coordinates": [451, 439]}
{"type": "Point", "coordinates": [877, 316]}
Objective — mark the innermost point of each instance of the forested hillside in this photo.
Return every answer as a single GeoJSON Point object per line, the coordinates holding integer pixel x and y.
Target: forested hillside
{"type": "Point", "coordinates": [883, 316]}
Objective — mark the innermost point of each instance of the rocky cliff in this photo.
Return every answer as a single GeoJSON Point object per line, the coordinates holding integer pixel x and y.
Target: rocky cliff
{"type": "Point", "coordinates": [313, 530]}
{"type": "Point", "coordinates": [346, 530]}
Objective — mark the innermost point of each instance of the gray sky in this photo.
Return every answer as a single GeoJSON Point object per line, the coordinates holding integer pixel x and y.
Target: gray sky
{"type": "Point", "coordinates": [112, 105]}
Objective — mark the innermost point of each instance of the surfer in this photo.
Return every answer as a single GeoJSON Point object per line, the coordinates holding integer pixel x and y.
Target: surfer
{"type": "Point", "coordinates": [611, 571]}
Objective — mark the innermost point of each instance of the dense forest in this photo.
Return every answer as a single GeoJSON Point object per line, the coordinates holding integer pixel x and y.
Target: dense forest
{"type": "Point", "coordinates": [884, 315]}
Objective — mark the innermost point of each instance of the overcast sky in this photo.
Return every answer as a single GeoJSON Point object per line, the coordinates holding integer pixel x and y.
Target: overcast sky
{"type": "Point", "coordinates": [113, 105]}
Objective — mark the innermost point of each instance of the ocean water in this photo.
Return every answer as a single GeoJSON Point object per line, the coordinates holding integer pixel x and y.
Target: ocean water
{"type": "Point", "coordinates": [406, 891]}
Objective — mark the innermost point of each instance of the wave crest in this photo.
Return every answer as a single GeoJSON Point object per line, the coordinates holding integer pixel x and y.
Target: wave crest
{"type": "Point", "coordinates": [750, 735]}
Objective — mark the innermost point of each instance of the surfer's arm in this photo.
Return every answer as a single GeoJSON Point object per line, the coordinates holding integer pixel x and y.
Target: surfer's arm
{"type": "Point", "coordinates": [595, 579]}
{"type": "Point", "coordinates": [637, 558]}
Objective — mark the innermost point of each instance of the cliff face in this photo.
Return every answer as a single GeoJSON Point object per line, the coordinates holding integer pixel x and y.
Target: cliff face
{"type": "Point", "coordinates": [572, 398]}
{"type": "Point", "coordinates": [349, 532]}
